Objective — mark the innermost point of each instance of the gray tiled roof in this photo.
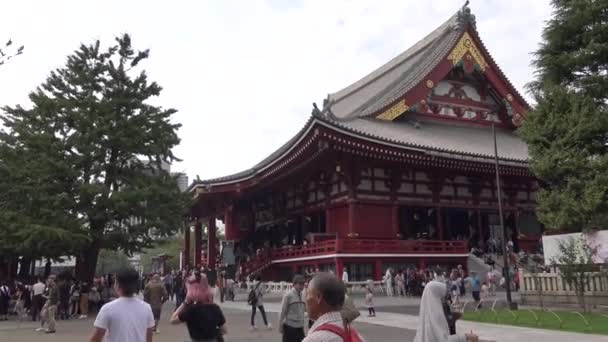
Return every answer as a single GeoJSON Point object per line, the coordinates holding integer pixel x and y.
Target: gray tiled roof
{"type": "Point", "coordinates": [455, 140]}
{"type": "Point", "coordinates": [442, 137]}
{"type": "Point", "coordinates": [393, 79]}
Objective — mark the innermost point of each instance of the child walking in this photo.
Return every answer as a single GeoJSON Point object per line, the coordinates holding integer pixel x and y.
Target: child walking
{"type": "Point", "coordinates": [369, 302]}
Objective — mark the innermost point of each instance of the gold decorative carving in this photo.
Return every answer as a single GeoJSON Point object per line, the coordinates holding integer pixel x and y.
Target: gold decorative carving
{"type": "Point", "coordinates": [466, 45]}
{"type": "Point", "coordinates": [393, 112]}
{"type": "Point", "coordinates": [430, 83]}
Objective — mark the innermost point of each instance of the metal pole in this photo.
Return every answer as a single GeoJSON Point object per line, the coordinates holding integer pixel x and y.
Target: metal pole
{"type": "Point", "coordinates": [502, 223]}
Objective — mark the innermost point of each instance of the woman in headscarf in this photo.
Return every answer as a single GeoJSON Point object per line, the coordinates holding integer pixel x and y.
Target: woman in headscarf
{"type": "Point", "coordinates": [433, 323]}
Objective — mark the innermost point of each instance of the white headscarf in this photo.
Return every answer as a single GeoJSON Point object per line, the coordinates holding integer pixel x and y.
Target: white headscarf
{"type": "Point", "coordinates": [432, 323]}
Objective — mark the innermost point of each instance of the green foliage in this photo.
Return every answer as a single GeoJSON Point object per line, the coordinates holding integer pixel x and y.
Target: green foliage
{"type": "Point", "coordinates": [171, 247]}
{"type": "Point", "coordinates": [598, 324]}
{"type": "Point", "coordinates": [575, 256]}
{"type": "Point", "coordinates": [567, 130]}
{"type": "Point", "coordinates": [91, 148]}
{"type": "Point", "coordinates": [111, 261]}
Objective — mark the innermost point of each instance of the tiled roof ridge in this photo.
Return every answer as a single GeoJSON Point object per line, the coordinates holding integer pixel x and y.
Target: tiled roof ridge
{"type": "Point", "coordinates": [340, 125]}
{"type": "Point", "coordinates": [395, 62]}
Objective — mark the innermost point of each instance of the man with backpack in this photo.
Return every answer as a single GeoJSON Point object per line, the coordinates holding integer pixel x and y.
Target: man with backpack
{"type": "Point", "coordinates": [324, 299]}
{"type": "Point", "coordinates": [292, 317]}
{"type": "Point", "coordinates": [256, 300]}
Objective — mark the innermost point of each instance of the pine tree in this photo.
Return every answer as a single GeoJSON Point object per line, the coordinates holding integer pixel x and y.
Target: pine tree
{"type": "Point", "coordinates": [98, 147]}
{"type": "Point", "coordinates": [567, 131]}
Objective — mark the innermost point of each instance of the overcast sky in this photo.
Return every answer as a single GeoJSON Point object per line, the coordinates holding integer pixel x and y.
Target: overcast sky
{"type": "Point", "coordinates": [244, 74]}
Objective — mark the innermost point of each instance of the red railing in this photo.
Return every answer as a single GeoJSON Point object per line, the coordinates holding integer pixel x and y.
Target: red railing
{"type": "Point", "coordinates": [319, 248]}
{"type": "Point", "coordinates": [402, 246]}
{"type": "Point", "coordinates": [371, 246]}
{"type": "Point", "coordinates": [359, 246]}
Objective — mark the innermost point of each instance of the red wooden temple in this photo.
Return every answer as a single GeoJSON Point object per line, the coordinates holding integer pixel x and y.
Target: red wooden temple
{"type": "Point", "coordinates": [395, 170]}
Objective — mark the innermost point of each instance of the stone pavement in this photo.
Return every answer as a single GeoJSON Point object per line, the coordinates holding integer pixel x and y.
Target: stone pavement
{"type": "Point", "coordinates": [396, 321]}
{"type": "Point", "coordinates": [402, 313]}
{"type": "Point", "coordinates": [238, 330]}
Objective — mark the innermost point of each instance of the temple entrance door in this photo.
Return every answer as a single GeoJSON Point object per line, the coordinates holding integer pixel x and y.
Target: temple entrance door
{"type": "Point", "coordinates": [418, 223]}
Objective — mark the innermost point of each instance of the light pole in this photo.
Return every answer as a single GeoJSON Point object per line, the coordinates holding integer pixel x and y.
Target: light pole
{"type": "Point", "coordinates": [502, 223]}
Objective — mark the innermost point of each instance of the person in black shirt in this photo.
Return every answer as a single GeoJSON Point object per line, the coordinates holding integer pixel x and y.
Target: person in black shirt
{"type": "Point", "coordinates": [205, 322]}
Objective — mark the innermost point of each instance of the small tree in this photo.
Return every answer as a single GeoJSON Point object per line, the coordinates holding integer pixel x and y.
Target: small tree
{"type": "Point", "coordinates": [576, 256]}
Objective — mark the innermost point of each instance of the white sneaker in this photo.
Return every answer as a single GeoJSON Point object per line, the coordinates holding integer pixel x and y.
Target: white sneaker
{"type": "Point", "coordinates": [253, 328]}
{"type": "Point", "coordinates": [40, 329]}
{"type": "Point", "coordinates": [269, 326]}
{"type": "Point", "coordinates": [83, 316]}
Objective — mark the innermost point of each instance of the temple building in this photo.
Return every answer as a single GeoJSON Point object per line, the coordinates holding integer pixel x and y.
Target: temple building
{"type": "Point", "coordinates": [395, 170]}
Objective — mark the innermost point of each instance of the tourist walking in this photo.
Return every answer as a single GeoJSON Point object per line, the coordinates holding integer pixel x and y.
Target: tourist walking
{"type": "Point", "coordinates": [324, 298]}
{"type": "Point", "coordinates": [127, 318]}
{"type": "Point", "coordinates": [168, 282]}
{"type": "Point", "coordinates": [37, 298]}
{"type": "Point", "coordinates": [432, 321]}
{"type": "Point", "coordinates": [5, 298]}
{"type": "Point", "coordinates": [20, 300]}
{"type": "Point", "coordinates": [388, 280]}
{"type": "Point", "coordinates": [204, 319]}
{"type": "Point", "coordinates": [75, 299]}
{"type": "Point", "coordinates": [292, 316]}
{"type": "Point", "coordinates": [369, 301]}
{"type": "Point", "coordinates": [475, 287]}
{"type": "Point", "coordinates": [462, 277]}
{"type": "Point", "coordinates": [256, 300]}
{"type": "Point", "coordinates": [85, 288]}
{"type": "Point", "coordinates": [491, 278]}
{"type": "Point", "coordinates": [344, 276]}
{"type": "Point", "coordinates": [49, 311]}
{"type": "Point", "coordinates": [155, 294]}
{"type": "Point", "coordinates": [400, 281]}
{"type": "Point", "coordinates": [179, 289]}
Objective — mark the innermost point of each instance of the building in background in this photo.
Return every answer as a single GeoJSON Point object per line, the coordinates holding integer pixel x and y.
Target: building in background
{"type": "Point", "coordinates": [182, 180]}
{"type": "Point", "coordinates": [395, 171]}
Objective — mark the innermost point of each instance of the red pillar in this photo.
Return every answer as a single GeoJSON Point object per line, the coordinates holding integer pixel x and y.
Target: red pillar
{"type": "Point", "coordinates": [339, 268]}
{"type": "Point", "coordinates": [230, 227]}
{"type": "Point", "coordinates": [479, 227]}
{"type": "Point", "coordinates": [440, 223]}
{"type": "Point", "coordinates": [378, 270]}
{"type": "Point", "coordinates": [351, 217]}
{"type": "Point", "coordinates": [186, 264]}
{"type": "Point", "coordinates": [211, 244]}
{"type": "Point", "coordinates": [421, 263]}
{"type": "Point", "coordinates": [198, 227]}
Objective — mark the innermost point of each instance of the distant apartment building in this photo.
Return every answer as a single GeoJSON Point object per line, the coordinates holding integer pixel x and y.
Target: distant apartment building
{"type": "Point", "coordinates": [182, 180]}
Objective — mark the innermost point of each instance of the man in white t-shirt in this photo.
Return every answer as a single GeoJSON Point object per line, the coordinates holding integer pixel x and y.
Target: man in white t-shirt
{"type": "Point", "coordinates": [126, 318]}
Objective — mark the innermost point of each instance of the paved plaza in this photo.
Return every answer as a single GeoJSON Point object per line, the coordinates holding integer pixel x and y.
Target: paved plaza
{"type": "Point", "coordinates": [238, 330]}
{"type": "Point", "coordinates": [396, 321]}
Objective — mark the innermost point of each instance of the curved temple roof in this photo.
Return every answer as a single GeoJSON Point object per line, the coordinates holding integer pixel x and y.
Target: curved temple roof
{"type": "Point", "coordinates": [348, 110]}
{"type": "Point", "coordinates": [385, 84]}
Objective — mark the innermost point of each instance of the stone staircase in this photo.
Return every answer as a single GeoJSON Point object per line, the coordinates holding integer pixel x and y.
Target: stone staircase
{"type": "Point", "coordinates": [478, 265]}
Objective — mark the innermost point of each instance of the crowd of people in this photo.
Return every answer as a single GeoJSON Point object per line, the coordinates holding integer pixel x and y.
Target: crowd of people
{"type": "Point", "coordinates": [315, 309]}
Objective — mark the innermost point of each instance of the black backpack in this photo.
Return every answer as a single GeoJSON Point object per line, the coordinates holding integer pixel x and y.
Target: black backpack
{"type": "Point", "coordinates": [252, 299]}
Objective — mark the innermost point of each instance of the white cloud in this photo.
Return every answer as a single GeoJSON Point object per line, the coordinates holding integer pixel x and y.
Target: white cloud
{"type": "Point", "coordinates": [244, 74]}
